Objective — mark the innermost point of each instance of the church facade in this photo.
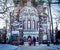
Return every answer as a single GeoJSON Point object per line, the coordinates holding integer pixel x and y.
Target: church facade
{"type": "Point", "coordinates": [30, 18]}
{"type": "Point", "coordinates": [30, 22]}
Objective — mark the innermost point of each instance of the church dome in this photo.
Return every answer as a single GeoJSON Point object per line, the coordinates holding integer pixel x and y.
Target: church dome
{"type": "Point", "coordinates": [29, 11]}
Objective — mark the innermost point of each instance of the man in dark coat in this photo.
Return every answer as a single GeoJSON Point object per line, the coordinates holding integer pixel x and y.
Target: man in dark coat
{"type": "Point", "coordinates": [34, 41]}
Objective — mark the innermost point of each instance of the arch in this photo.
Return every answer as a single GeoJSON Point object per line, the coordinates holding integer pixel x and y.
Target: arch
{"type": "Point", "coordinates": [29, 10]}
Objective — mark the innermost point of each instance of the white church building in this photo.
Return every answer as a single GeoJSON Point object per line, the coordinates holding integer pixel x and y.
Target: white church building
{"type": "Point", "coordinates": [30, 20]}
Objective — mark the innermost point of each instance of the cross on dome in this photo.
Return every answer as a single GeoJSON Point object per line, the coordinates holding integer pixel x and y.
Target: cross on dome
{"type": "Point", "coordinates": [29, 3]}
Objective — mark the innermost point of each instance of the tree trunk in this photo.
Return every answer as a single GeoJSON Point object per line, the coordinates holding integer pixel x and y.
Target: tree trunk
{"type": "Point", "coordinates": [51, 24]}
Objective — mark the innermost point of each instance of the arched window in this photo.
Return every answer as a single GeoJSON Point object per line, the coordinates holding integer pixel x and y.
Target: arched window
{"type": "Point", "coordinates": [29, 24]}
{"type": "Point", "coordinates": [33, 24]}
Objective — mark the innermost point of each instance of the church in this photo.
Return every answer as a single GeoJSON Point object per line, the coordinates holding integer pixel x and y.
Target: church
{"type": "Point", "coordinates": [30, 18]}
{"type": "Point", "coordinates": [27, 14]}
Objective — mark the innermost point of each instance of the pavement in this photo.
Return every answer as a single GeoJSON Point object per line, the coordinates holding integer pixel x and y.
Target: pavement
{"type": "Point", "coordinates": [37, 47]}
{"type": "Point", "coordinates": [40, 47]}
{"type": "Point", "coordinates": [27, 47]}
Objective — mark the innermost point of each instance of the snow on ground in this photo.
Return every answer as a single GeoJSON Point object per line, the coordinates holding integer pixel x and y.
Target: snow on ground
{"type": "Point", "coordinates": [41, 46]}
{"type": "Point", "coordinates": [52, 46]}
{"type": "Point", "coordinates": [7, 47]}
{"type": "Point", "coordinates": [56, 47]}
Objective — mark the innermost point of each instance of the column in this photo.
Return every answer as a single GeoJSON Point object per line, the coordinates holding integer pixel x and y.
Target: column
{"type": "Point", "coordinates": [35, 25]}
{"type": "Point", "coordinates": [26, 22]}
{"type": "Point", "coordinates": [31, 23]}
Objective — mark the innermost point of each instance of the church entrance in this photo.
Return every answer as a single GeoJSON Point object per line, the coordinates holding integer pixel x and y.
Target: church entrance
{"type": "Point", "coordinates": [30, 33]}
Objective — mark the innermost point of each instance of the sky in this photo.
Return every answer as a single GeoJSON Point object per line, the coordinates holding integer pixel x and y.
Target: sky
{"type": "Point", "coordinates": [54, 14]}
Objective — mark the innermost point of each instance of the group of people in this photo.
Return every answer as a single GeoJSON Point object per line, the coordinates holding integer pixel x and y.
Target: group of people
{"type": "Point", "coordinates": [31, 41]}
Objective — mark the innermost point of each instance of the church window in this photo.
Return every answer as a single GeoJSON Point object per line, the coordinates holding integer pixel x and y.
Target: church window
{"type": "Point", "coordinates": [29, 24]}
{"type": "Point", "coordinates": [33, 24]}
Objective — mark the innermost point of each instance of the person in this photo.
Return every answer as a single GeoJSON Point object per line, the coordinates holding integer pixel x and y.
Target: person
{"type": "Point", "coordinates": [29, 41]}
{"type": "Point", "coordinates": [24, 39]}
{"type": "Point", "coordinates": [21, 41]}
{"type": "Point", "coordinates": [34, 41]}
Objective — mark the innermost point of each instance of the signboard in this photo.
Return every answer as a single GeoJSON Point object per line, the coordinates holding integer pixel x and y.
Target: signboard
{"type": "Point", "coordinates": [15, 32]}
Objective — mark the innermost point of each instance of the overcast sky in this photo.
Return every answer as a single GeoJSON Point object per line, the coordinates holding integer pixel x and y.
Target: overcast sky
{"type": "Point", "coordinates": [55, 14]}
